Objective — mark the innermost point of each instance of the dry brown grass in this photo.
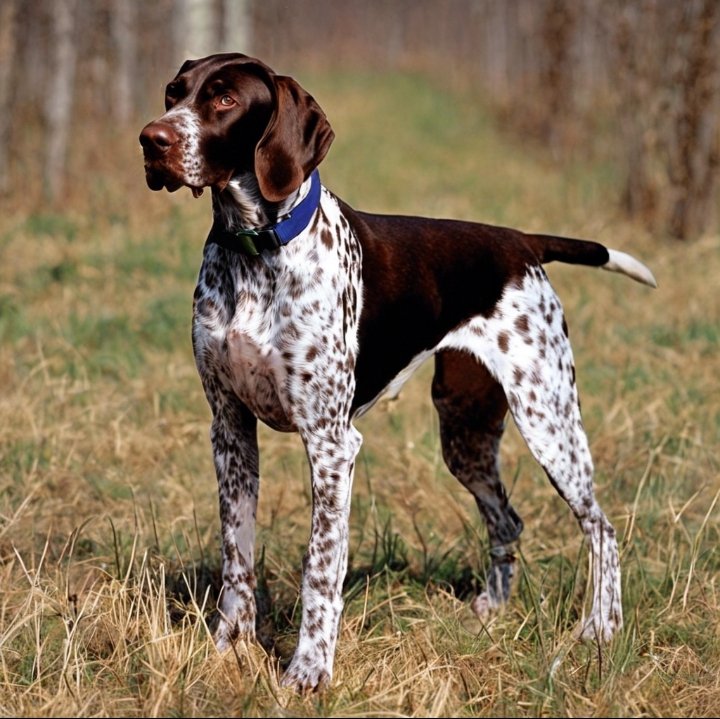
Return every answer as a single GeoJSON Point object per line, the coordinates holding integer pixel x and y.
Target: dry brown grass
{"type": "Point", "coordinates": [108, 519]}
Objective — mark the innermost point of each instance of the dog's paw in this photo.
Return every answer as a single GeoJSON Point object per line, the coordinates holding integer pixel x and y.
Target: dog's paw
{"type": "Point", "coordinates": [598, 629]}
{"type": "Point", "coordinates": [227, 633]}
{"type": "Point", "coordinates": [305, 675]}
{"type": "Point", "coordinates": [487, 605]}
{"type": "Point", "coordinates": [484, 606]}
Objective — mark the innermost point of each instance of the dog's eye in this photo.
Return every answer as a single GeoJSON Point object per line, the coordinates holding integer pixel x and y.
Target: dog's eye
{"type": "Point", "coordinates": [226, 100]}
{"type": "Point", "coordinates": [172, 93]}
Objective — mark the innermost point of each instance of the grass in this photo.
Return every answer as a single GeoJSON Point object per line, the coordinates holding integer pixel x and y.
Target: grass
{"type": "Point", "coordinates": [109, 556]}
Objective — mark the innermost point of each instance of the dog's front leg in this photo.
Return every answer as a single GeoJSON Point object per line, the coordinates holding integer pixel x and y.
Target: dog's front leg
{"type": "Point", "coordinates": [235, 453]}
{"type": "Point", "coordinates": [332, 459]}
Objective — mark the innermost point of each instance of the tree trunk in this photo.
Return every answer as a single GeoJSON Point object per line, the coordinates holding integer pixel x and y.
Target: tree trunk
{"type": "Point", "coordinates": [59, 96]}
{"type": "Point", "coordinates": [124, 33]}
{"type": "Point", "coordinates": [641, 104]}
{"type": "Point", "coordinates": [231, 25]}
{"type": "Point", "coordinates": [7, 64]}
{"type": "Point", "coordinates": [180, 25]}
{"type": "Point", "coordinates": [558, 28]}
{"type": "Point", "coordinates": [695, 149]}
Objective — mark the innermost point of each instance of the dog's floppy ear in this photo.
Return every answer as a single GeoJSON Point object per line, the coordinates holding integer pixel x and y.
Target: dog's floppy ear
{"type": "Point", "coordinates": [294, 143]}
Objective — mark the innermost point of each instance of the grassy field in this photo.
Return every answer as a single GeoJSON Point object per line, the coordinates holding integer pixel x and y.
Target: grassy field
{"type": "Point", "coordinates": [109, 551]}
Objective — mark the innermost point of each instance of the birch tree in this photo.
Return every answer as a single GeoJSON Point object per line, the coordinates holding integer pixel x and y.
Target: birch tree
{"type": "Point", "coordinates": [124, 33]}
{"type": "Point", "coordinates": [59, 96]}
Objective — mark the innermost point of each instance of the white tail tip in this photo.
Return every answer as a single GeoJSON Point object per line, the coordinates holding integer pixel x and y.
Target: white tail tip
{"type": "Point", "coordinates": [628, 265]}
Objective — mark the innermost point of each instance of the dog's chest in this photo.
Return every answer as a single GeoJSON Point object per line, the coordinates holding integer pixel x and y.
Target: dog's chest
{"type": "Point", "coordinates": [274, 329]}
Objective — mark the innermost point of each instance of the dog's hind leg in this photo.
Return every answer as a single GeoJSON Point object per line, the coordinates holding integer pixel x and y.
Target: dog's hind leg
{"type": "Point", "coordinates": [547, 414]}
{"type": "Point", "coordinates": [471, 406]}
{"type": "Point", "coordinates": [524, 344]}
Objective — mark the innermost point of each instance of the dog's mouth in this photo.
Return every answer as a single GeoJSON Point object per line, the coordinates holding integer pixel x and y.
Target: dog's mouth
{"type": "Point", "coordinates": [159, 178]}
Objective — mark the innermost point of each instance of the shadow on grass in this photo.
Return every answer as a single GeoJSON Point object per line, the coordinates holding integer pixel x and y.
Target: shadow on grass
{"type": "Point", "coordinates": [389, 564]}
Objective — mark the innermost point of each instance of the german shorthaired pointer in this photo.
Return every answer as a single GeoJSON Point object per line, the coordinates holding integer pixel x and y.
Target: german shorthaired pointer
{"type": "Point", "coordinates": [307, 311]}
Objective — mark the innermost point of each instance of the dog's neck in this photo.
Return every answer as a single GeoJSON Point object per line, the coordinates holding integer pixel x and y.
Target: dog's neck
{"type": "Point", "coordinates": [241, 205]}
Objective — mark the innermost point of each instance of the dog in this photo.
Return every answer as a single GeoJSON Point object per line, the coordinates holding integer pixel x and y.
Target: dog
{"type": "Point", "coordinates": [307, 311]}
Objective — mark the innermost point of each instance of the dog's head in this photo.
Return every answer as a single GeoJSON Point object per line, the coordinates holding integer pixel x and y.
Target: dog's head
{"type": "Point", "coordinates": [228, 114]}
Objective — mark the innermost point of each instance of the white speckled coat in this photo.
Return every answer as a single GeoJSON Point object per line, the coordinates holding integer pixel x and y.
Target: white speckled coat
{"type": "Point", "coordinates": [307, 336]}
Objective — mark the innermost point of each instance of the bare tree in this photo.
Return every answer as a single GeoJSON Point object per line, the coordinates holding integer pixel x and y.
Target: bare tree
{"type": "Point", "coordinates": [694, 147]}
{"type": "Point", "coordinates": [634, 35]}
{"type": "Point", "coordinates": [668, 82]}
{"type": "Point", "coordinates": [555, 88]}
{"type": "Point", "coordinates": [59, 96]}
{"type": "Point", "coordinates": [180, 29]}
{"type": "Point", "coordinates": [7, 63]}
{"type": "Point", "coordinates": [220, 24]}
{"type": "Point", "coordinates": [231, 25]}
{"type": "Point", "coordinates": [124, 34]}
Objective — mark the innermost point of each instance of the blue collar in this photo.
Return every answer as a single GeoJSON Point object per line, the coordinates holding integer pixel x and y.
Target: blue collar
{"type": "Point", "coordinates": [252, 242]}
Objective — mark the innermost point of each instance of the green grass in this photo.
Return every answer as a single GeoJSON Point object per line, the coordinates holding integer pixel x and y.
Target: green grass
{"type": "Point", "coordinates": [109, 554]}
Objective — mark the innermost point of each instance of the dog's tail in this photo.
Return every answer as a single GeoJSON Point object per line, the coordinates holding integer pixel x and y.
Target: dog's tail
{"type": "Point", "coordinates": [585, 252]}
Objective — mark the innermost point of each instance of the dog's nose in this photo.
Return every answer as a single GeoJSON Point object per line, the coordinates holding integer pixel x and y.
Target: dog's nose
{"type": "Point", "coordinates": [157, 138]}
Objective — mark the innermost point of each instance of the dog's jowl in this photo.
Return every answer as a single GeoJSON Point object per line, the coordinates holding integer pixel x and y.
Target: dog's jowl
{"type": "Point", "coordinates": [306, 311]}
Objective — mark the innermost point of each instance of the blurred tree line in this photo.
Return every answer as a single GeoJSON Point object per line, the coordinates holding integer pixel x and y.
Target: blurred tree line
{"type": "Point", "coordinates": [638, 80]}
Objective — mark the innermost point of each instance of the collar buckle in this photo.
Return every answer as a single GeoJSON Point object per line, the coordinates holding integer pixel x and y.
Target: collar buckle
{"type": "Point", "coordinates": [252, 242]}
